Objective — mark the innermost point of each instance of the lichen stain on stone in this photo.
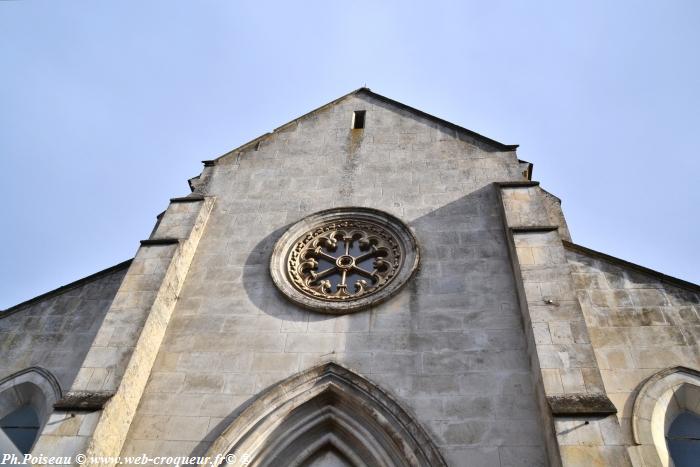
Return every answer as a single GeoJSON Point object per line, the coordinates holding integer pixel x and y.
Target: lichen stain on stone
{"type": "Point", "coordinates": [355, 141]}
{"type": "Point", "coordinates": [347, 188]}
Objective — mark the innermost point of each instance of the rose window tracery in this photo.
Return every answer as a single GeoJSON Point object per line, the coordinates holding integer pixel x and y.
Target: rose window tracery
{"type": "Point", "coordinates": [344, 259]}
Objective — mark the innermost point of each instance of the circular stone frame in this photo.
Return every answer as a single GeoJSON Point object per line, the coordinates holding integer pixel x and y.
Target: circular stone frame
{"type": "Point", "coordinates": [400, 231]}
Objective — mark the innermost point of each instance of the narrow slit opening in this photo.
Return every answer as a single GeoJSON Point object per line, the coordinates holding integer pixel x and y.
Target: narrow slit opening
{"type": "Point", "coordinates": [358, 119]}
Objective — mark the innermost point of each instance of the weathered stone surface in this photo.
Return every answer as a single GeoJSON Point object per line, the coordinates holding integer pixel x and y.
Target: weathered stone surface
{"type": "Point", "coordinates": [400, 259]}
{"type": "Point", "coordinates": [568, 380]}
{"type": "Point", "coordinates": [454, 326]}
{"type": "Point", "coordinates": [508, 346]}
{"type": "Point", "coordinates": [83, 400]}
{"type": "Point", "coordinates": [581, 404]}
{"type": "Point", "coordinates": [56, 332]}
{"type": "Point", "coordinates": [332, 392]}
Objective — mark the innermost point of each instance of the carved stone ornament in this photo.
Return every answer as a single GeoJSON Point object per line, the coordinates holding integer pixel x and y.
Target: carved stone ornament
{"type": "Point", "coordinates": [343, 260]}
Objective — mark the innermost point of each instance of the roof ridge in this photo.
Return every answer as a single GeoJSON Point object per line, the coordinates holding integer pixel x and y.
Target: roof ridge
{"type": "Point", "coordinates": [473, 134]}
{"type": "Point", "coordinates": [453, 126]}
{"type": "Point", "coordinates": [644, 270]}
{"type": "Point", "coordinates": [64, 288]}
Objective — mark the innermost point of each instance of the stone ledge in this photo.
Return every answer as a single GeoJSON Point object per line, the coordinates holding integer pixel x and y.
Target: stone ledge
{"type": "Point", "coordinates": [518, 184]}
{"type": "Point", "coordinates": [187, 199]}
{"type": "Point", "coordinates": [84, 401]}
{"type": "Point", "coordinates": [580, 404]}
{"type": "Point", "coordinates": [160, 241]}
{"type": "Point", "coordinates": [533, 228]}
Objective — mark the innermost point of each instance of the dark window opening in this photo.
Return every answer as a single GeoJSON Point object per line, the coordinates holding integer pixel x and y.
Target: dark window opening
{"type": "Point", "coordinates": [22, 427]}
{"type": "Point", "coordinates": [358, 119]}
{"type": "Point", "coordinates": [683, 439]}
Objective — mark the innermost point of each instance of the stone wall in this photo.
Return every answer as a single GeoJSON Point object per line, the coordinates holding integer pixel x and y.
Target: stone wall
{"type": "Point", "coordinates": [450, 347]}
{"type": "Point", "coordinates": [115, 370]}
{"type": "Point", "coordinates": [639, 323]}
{"type": "Point", "coordinates": [504, 316]}
{"type": "Point", "coordinates": [56, 332]}
{"type": "Point", "coordinates": [578, 419]}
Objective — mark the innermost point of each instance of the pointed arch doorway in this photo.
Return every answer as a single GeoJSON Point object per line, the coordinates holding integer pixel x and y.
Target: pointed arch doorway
{"type": "Point", "coordinates": [327, 416]}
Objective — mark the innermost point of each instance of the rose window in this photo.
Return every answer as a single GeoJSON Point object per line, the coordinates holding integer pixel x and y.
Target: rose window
{"type": "Point", "coordinates": [344, 259]}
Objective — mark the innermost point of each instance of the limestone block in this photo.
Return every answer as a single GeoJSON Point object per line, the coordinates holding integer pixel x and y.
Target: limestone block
{"type": "Point", "coordinates": [578, 432]}
{"type": "Point", "coordinates": [275, 361]}
{"type": "Point", "coordinates": [522, 456]}
{"type": "Point", "coordinates": [584, 456]}
{"type": "Point", "coordinates": [472, 456]}
{"type": "Point", "coordinates": [203, 383]}
{"type": "Point", "coordinates": [551, 379]}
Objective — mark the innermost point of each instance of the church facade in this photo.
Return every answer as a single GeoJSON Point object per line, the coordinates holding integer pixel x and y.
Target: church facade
{"type": "Point", "coordinates": [367, 285]}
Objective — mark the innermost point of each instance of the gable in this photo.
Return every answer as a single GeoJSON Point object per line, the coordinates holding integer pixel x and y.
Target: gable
{"type": "Point", "coordinates": [366, 94]}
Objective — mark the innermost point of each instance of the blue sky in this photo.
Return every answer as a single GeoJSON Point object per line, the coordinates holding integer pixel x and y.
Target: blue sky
{"type": "Point", "coordinates": [107, 108]}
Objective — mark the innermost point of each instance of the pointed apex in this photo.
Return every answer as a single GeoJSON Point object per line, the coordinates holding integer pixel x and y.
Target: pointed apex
{"type": "Point", "coordinates": [498, 146]}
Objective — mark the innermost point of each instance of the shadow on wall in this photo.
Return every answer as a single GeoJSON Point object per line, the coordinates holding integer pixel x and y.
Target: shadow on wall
{"type": "Point", "coordinates": [263, 293]}
{"type": "Point", "coordinates": [56, 333]}
{"type": "Point", "coordinates": [464, 263]}
{"type": "Point", "coordinates": [455, 329]}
